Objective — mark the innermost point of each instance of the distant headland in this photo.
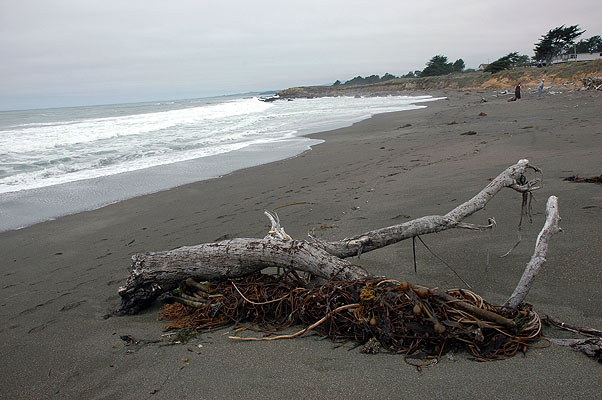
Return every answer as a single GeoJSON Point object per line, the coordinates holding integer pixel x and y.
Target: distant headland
{"type": "Point", "coordinates": [564, 74]}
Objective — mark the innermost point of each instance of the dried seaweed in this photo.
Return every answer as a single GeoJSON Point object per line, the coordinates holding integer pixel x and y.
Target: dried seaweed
{"type": "Point", "coordinates": [577, 179]}
{"type": "Point", "coordinates": [421, 323]}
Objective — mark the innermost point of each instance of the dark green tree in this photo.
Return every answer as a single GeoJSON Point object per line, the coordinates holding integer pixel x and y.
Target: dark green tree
{"type": "Point", "coordinates": [510, 60]}
{"type": "Point", "coordinates": [520, 60]}
{"type": "Point", "coordinates": [337, 83]}
{"type": "Point", "coordinates": [556, 42]}
{"type": "Point", "coordinates": [438, 65]}
{"type": "Point", "coordinates": [499, 65]}
{"type": "Point", "coordinates": [409, 75]}
{"type": "Point", "coordinates": [372, 79]}
{"type": "Point", "coordinates": [591, 45]}
{"type": "Point", "coordinates": [459, 65]}
{"type": "Point", "coordinates": [387, 77]}
{"type": "Point", "coordinates": [358, 80]}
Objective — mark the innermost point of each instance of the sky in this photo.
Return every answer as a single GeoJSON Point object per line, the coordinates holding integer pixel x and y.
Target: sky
{"type": "Point", "coordinates": [56, 53]}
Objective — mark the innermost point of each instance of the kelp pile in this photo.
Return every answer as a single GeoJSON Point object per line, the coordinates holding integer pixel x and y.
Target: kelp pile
{"type": "Point", "coordinates": [398, 317]}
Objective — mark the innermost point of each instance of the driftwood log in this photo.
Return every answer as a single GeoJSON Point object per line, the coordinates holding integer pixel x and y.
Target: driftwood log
{"type": "Point", "coordinates": [152, 274]}
{"type": "Point", "coordinates": [538, 258]}
{"type": "Point", "coordinates": [592, 82]}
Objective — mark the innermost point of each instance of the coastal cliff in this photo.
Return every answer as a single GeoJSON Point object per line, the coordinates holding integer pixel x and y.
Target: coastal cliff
{"type": "Point", "coordinates": [566, 75]}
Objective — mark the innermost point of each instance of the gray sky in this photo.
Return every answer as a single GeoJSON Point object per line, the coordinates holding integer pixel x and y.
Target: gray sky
{"type": "Point", "coordinates": [76, 52]}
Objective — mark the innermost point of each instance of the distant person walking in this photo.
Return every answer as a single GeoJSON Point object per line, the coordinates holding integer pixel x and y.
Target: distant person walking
{"type": "Point", "coordinates": [540, 88]}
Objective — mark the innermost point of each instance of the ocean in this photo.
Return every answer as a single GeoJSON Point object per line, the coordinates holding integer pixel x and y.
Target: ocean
{"type": "Point", "coordinates": [55, 162]}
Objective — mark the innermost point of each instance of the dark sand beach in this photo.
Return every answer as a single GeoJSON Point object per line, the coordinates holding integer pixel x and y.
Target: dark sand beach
{"type": "Point", "coordinates": [60, 278]}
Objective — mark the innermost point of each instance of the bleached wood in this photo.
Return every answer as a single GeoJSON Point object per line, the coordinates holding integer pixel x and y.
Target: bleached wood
{"type": "Point", "coordinates": [152, 274]}
{"type": "Point", "coordinates": [509, 178]}
{"type": "Point", "coordinates": [538, 258]}
{"type": "Point", "coordinates": [276, 231]}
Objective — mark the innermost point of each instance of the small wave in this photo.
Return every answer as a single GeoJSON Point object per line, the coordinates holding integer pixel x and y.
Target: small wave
{"type": "Point", "coordinates": [63, 134]}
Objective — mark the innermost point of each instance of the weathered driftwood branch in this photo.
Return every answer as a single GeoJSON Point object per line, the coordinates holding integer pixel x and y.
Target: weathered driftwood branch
{"type": "Point", "coordinates": [591, 347]}
{"type": "Point", "coordinates": [538, 258]}
{"type": "Point", "coordinates": [513, 177]}
{"type": "Point", "coordinates": [582, 330]}
{"type": "Point", "coordinates": [154, 273]}
{"type": "Point", "coordinates": [276, 231]}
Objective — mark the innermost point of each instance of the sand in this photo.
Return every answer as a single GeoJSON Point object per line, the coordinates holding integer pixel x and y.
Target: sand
{"type": "Point", "coordinates": [60, 278]}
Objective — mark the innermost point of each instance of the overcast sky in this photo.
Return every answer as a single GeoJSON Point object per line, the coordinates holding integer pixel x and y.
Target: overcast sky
{"type": "Point", "coordinates": [76, 52]}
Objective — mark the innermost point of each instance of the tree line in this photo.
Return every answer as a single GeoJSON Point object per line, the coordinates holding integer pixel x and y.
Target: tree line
{"type": "Point", "coordinates": [558, 41]}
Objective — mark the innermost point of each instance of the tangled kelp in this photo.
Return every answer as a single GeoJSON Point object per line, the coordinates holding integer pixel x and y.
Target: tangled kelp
{"type": "Point", "coordinates": [401, 318]}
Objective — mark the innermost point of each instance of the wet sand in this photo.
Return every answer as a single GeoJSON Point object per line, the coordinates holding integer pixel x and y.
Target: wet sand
{"type": "Point", "coordinates": [60, 278]}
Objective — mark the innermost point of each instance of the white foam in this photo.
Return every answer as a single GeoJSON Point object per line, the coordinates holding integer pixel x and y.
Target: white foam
{"type": "Point", "coordinates": [45, 153]}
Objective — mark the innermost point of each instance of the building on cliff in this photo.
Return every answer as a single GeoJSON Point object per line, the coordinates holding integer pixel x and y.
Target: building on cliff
{"type": "Point", "coordinates": [576, 57]}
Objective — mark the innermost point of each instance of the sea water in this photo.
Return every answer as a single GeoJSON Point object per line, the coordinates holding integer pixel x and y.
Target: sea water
{"type": "Point", "coordinates": [55, 162]}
